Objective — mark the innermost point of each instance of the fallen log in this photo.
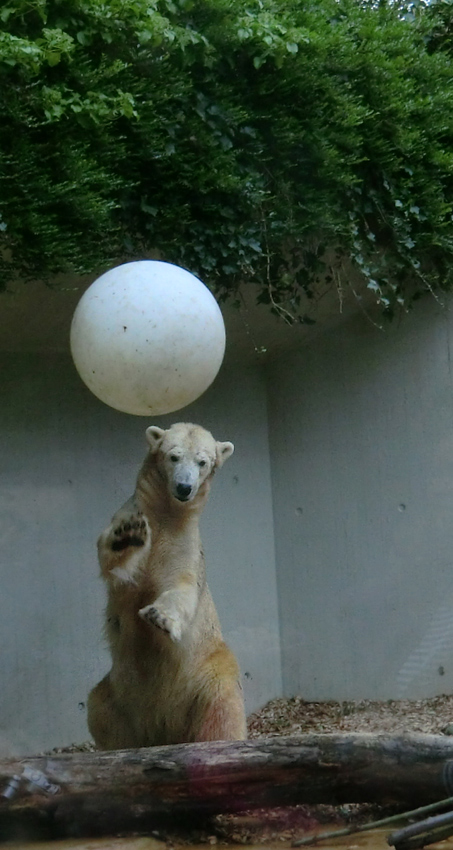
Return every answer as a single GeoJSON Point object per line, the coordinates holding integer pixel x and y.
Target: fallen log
{"type": "Point", "coordinates": [133, 790]}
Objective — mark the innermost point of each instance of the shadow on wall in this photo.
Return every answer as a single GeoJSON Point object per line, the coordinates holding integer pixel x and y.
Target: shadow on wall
{"type": "Point", "coordinates": [431, 658]}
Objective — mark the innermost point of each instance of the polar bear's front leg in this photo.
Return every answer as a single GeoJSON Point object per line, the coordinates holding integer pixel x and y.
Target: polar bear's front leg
{"type": "Point", "coordinates": [174, 610]}
{"type": "Point", "coordinates": [124, 544]}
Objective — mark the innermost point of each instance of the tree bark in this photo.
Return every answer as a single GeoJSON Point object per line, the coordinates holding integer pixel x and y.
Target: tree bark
{"type": "Point", "coordinates": [133, 790]}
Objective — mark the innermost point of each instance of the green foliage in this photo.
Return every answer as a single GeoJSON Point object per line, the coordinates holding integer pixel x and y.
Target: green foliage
{"type": "Point", "coordinates": [247, 140]}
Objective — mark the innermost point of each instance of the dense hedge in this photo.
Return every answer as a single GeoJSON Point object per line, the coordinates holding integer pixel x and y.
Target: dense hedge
{"type": "Point", "coordinates": [247, 140]}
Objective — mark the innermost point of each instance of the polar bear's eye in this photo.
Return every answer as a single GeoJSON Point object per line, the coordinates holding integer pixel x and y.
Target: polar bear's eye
{"type": "Point", "coordinates": [201, 463]}
{"type": "Point", "coordinates": [174, 458]}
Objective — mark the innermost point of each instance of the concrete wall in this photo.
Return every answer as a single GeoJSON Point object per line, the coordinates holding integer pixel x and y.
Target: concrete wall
{"type": "Point", "coordinates": [344, 455]}
{"type": "Point", "coordinates": [361, 435]}
{"type": "Point", "coordinates": [67, 463]}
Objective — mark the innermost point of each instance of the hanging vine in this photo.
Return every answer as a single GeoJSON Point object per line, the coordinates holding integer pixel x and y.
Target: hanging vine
{"type": "Point", "coordinates": [247, 140]}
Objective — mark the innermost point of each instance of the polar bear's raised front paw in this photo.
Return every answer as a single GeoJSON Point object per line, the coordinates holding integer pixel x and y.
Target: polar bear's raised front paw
{"type": "Point", "coordinates": [166, 620]}
{"type": "Point", "coordinates": [132, 531]}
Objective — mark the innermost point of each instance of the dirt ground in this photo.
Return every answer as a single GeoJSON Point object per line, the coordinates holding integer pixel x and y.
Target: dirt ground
{"type": "Point", "coordinates": [296, 717]}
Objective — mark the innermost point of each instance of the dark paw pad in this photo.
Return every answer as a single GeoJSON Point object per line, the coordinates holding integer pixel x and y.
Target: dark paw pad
{"type": "Point", "coordinates": [133, 532]}
{"type": "Point", "coordinates": [149, 614]}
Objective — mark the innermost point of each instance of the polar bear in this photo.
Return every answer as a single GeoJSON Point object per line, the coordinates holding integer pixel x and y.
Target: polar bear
{"type": "Point", "coordinates": [173, 679]}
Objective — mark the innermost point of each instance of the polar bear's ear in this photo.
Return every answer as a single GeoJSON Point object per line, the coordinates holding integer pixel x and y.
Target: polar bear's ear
{"type": "Point", "coordinates": [154, 435]}
{"type": "Point", "coordinates": [223, 452]}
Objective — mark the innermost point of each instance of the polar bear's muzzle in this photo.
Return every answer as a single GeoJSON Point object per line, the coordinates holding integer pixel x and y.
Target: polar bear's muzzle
{"type": "Point", "coordinates": [185, 482]}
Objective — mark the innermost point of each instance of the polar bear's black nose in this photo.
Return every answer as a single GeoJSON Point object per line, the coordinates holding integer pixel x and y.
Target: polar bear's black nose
{"type": "Point", "coordinates": [183, 491]}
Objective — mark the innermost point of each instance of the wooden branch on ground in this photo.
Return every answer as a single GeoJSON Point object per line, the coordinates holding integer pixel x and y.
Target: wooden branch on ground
{"type": "Point", "coordinates": [133, 790]}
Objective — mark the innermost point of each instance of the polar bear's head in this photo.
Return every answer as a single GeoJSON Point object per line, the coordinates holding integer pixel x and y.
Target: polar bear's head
{"type": "Point", "coordinates": [187, 456]}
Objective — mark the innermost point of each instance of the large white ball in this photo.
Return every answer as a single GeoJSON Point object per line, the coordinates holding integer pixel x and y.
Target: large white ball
{"type": "Point", "coordinates": [147, 338]}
